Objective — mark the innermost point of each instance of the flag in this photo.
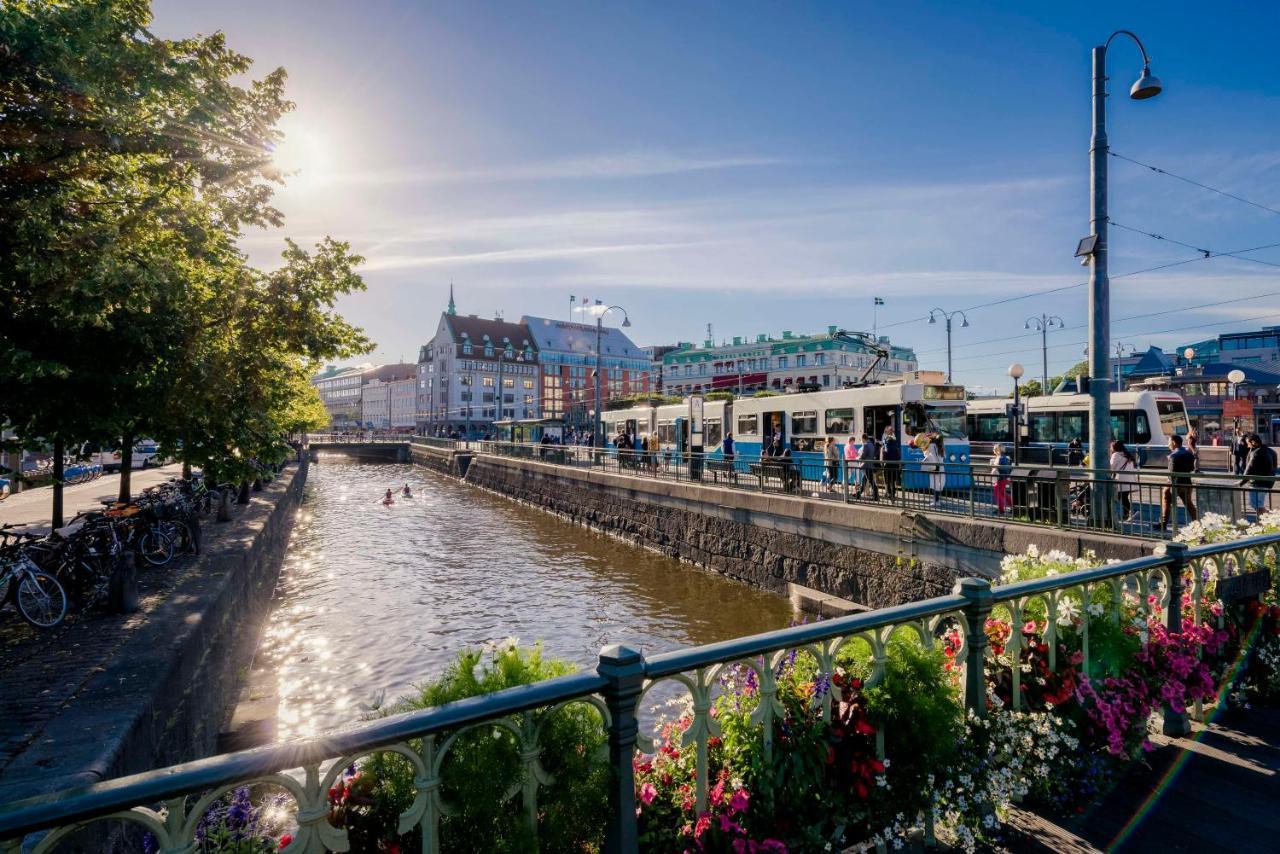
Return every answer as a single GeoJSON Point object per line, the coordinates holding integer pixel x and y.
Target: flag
{"type": "Point", "coordinates": [879, 301]}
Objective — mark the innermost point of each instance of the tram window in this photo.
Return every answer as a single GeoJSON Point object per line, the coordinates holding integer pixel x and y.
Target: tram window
{"type": "Point", "coordinates": [1073, 425]}
{"type": "Point", "coordinates": [876, 419]}
{"type": "Point", "coordinates": [989, 427]}
{"type": "Point", "coordinates": [748, 425]}
{"type": "Point", "coordinates": [1041, 427]}
{"type": "Point", "coordinates": [914, 419]}
{"type": "Point", "coordinates": [712, 432]}
{"type": "Point", "coordinates": [666, 432]}
{"type": "Point", "coordinates": [1141, 428]}
{"type": "Point", "coordinates": [1173, 417]}
{"type": "Point", "coordinates": [839, 422]}
{"type": "Point", "coordinates": [805, 423]}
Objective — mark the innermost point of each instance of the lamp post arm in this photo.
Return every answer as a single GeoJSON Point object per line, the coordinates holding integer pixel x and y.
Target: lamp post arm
{"type": "Point", "coordinates": [1146, 60]}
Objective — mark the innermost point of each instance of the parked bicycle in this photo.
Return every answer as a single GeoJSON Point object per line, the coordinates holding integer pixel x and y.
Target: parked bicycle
{"type": "Point", "coordinates": [37, 595]}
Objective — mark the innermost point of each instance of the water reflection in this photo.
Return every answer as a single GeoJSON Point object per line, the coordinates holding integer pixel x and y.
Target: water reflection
{"type": "Point", "coordinates": [373, 599]}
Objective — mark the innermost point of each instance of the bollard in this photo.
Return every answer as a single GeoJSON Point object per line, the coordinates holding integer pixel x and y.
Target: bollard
{"type": "Point", "coordinates": [193, 524]}
{"type": "Point", "coordinates": [624, 668]}
{"type": "Point", "coordinates": [224, 505]}
{"type": "Point", "coordinates": [122, 588]}
{"type": "Point", "coordinates": [257, 484]}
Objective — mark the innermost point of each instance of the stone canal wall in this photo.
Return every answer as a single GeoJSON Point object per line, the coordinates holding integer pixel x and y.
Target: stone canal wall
{"type": "Point", "coordinates": [872, 556]}
{"type": "Point", "coordinates": [441, 459]}
{"type": "Point", "coordinates": [160, 690]}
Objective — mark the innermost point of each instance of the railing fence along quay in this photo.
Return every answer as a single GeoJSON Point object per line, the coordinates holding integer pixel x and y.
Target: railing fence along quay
{"type": "Point", "coordinates": [169, 802]}
{"type": "Point", "coordinates": [1057, 496]}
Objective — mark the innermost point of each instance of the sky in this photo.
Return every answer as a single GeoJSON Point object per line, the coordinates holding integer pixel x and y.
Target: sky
{"type": "Point", "coordinates": [765, 166]}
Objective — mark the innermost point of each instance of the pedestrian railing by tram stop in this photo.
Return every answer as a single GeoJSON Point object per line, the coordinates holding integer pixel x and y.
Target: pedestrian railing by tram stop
{"type": "Point", "coordinates": [169, 803]}
{"type": "Point", "coordinates": [1147, 503]}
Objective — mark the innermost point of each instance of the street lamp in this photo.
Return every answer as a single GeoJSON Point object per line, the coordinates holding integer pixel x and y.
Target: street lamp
{"type": "Point", "coordinates": [947, 315]}
{"type": "Point", "coordinates": [1043, 324]}
{"type": "Point", "coordinates": [596, 439]}
{"type": "Point", "coordinates": [1094, 250]}
{"type": "Point", "coordinates": [1015, 371]}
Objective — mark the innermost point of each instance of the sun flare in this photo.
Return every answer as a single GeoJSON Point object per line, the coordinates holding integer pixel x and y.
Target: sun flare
{"type": "Point", "coordinates": [301, 157]}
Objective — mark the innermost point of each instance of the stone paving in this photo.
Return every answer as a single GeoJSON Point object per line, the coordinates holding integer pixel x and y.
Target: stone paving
{"type": "Point", "coordinates": [31, 509]}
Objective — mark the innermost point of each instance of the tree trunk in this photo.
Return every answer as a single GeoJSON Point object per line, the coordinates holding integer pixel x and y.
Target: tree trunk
{"type": "Point", "coordinates": [186, 463]}
{"type": "Point", "coordinates": [243, 497]}
{"type": "Point", "coordinates": [57, 482]}
{"type": "Point", "coordinates": [126, 469]}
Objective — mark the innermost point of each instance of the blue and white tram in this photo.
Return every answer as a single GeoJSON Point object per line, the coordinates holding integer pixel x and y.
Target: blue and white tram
{"type": "Point", "coordinates": [1143, 420]}
{"type": "Point", "coordinates": [803, 421]}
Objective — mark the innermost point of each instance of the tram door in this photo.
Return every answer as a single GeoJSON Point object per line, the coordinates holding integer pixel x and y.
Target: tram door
{"type": "Point", "coordinates": [774, 424]}
{"type": "Point", "coordinates": [876, 418]}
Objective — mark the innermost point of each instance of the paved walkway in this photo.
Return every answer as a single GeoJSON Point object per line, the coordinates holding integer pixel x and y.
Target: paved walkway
{"type": "Point", "coordinates": [33, 507]}
{"type": "Point", "coordinates": [1217, 790]}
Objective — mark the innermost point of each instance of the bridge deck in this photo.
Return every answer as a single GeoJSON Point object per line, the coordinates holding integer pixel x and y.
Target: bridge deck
{"type": "Point", "coordinates": [1217, 790]}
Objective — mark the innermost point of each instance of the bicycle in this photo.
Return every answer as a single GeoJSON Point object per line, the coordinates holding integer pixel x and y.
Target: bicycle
{"type": "Point", "coordinates": [37, 595]}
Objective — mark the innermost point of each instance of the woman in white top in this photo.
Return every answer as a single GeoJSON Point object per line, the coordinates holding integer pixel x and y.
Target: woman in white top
{"type": "Point", "coordinates": [933, 465]}
{"type": "Point", "coordinates": [1126, 477]}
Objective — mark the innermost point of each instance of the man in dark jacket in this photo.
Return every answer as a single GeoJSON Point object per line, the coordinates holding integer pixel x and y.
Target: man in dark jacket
{"type": "Point", "coordinates": [891, 456]}
{"type": "Point", "coordinates": [867, 455]}
{"type": "Point", "coordinates": [1260, 468]}
{"type": "Point", "coordinates": [1181, 464]}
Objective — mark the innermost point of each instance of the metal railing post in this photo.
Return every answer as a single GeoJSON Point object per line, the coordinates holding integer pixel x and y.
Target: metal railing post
{"type": "Point", "coordinates": [624, 668]}
{"type": "Point", "coordinates": [980, 599]}
{"type": "Point", "coordinates": [1175, 723]}
{"type": "Point", "coordinates": [846, 474]}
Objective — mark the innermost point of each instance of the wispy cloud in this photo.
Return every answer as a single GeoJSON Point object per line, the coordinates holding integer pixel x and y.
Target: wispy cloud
{"type": "Point", "coordinates": [635, 164]}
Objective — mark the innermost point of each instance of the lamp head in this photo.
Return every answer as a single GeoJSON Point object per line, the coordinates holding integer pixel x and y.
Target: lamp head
{"type": "Point", "coordinates": [1189, 353]}
{"type": "Point", "coordinates": [932, 318]}
{"type": "Point", "coordinates": [626, 321]}
{"type": "Point", "coordinates": [1146, 86]}
{"type": "Point", "coordinates": [1236, 376]}
{"type": "Point", "coordinates": [964, 321]}
{"type": "Point", "coordinates": [1015, 370]}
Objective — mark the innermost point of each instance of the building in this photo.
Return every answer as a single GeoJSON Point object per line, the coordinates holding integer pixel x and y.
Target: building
{"type": "Point", "coordinates": [1214, 403]}
{"type": "Point", "coordinates": [567, 353]}
{"type": "Point", "coordinates": [390, 404]}
{"type": "Point", "coordinates": [655, 353]}
{"type": "Point", "coordinates": [404, 402]}
{"type": "Point", "coordinates": [745, 366]}
{"type": "Point", "coordinates": [342, 391]}
{"type": "Point", "coordinates": [461, 368]}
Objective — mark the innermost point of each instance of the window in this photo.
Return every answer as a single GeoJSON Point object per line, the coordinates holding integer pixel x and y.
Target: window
{"type": "Point", "coordinates": [1041, 427]}
{"type": "Point", "coordinates": [1173, 418]}
{"type": "Point", "coordinates": [801, 360]}
{"type": "Point", "coordinates": [748, 425]}
{"type": "Point", "coordinates": [1073, 425]}
{"type": "Point", "coordinates": [667, 432]}
{"type": "Point", "coordinates": [507, 382]}
{"type": "Point", "coordinates": [990, 427]}
{"type": "Point", "coordinates": [712, 433]}
{"type": "Point", "coordinates": [466, 349]}
{"type": "Point", "coordinates": [487, 381]}
{"type": "Point", "coordinates": [1141, 428]}
{"type": "Point", "coordinates": [528, 400]}
{"type": "Point", "coordinates": [804, 423]}
{"type": "Point", "coordinates": [839, 422]}
{"type": "Point", "coordinates": [528, 383]}
{"type": "Point", "coordinates": [782, 361]}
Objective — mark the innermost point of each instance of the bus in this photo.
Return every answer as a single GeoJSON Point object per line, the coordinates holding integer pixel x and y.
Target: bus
{"type": "Point", "coordinates": [1143, 420]}
{"type": "Point", "coordinates": [802, 422]}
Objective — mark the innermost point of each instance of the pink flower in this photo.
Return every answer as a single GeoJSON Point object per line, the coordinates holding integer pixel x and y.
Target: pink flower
{"type": "Point", "coordinates": [738, 802]}
{"type": "Point", "coordinates": [1029, 628]}
{"type": "Point", "coordinates": [648, 793]}
{"type": "Point", "coordinates": [704, 822]}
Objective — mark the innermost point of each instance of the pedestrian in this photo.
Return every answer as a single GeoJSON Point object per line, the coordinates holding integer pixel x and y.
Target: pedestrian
{"type": "Point", "coordinates": [1125, 470]}
{"type": "Point", "coordinates": [831, 463]}
{"type": "Point", "coordinates": [1075, 452]}
{"type": "Point", "coordinates": [1260, 466]}
{"type": "Point", "coordinates": [891, 462]}
{"type": "Point", "coordinates": [1181, 464]}
{"type": "Point", "coordinates": [1239, 451]}
{"type": "Point", "coordinates": [867, 458]}
{"type": "Point", "coordinates": [933, 465]}
{"type": "Point", "coordinates": [1001, 470]}
{"type": "Point", "coordinates": [727, 446]}
{"type": "Point", "coordinates": [852, 472]}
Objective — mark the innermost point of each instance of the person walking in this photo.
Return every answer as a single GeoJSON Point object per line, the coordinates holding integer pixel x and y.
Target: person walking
{"type": "Point", "coordinates": [867, 466]}
{"type": "Point", "coordinates": [851, 452]}
{"type": "Point", "coordinates": [1075, 452]}
{"type": "Point", "coordinates": [891, 460]}
{"type": "Point", "coordinates": [933, 465]}
{"type": "Point", "coordinates": [1001, 470]}
{"type": "Point", "coordinates": [1260, 467]}
{"type": "Point", "coordinates": [1181, 464]}
{"type": "Point", "coordinates": [831, 464]}
{"type": "Point", "coordinates": [1239, 451]}
{"type": "Point", "coordinates": [1125, 470]}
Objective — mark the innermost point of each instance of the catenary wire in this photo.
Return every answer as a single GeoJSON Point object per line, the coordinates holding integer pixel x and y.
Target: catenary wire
{"type": "Point", "coordinates": [1186, 180]}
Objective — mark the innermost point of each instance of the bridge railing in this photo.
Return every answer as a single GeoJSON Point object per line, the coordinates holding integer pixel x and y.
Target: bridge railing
{"type": "Point", "coordinates": [1146, 503]}
{"type": "Point", "coordinates": [357, 438]}
{"type": "Point", "coordinates": [169, 803]}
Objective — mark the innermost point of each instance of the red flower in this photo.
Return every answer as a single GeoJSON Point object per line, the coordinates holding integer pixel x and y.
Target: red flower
{"type": "Point", "coordinates": [285, 840]}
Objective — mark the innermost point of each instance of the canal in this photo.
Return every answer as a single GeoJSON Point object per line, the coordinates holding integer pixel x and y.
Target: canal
{"type": "Point", "coordinates": [375, 599]}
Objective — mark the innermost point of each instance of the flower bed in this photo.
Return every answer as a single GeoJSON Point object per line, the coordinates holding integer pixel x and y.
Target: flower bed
{"type": "Point", "coordinates": [854, 746]}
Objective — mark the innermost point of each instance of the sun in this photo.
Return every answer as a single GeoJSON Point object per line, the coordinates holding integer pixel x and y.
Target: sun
{"type": "Point", "coordinates": [301, 157]}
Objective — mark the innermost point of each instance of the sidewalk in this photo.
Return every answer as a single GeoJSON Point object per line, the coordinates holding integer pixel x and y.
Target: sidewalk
{"type": "Point", "coordinates": [33, 508]}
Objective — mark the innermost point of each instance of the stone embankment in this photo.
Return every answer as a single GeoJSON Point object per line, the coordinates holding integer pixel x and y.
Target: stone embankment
{"type": "Point", "coordinates": [104, 696]}
{"type": "Point", "coordinates": [872, 556]}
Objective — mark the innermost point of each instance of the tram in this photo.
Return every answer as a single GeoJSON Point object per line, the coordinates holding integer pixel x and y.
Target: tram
{"type": "Point", "coordinates": [802, 422]}
{"type": "Point", "coordinates": [1143, 420]}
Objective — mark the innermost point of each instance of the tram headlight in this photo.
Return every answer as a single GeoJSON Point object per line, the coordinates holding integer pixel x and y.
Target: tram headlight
{"type": "Point", "coordinates": [951, 458]}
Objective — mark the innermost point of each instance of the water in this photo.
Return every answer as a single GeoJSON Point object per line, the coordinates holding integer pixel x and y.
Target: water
{"type": "Point", "coordinates": [373, 600]}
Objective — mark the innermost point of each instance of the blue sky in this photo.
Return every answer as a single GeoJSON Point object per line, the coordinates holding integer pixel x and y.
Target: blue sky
{"type": "Point", "coordinates": [768, 166]}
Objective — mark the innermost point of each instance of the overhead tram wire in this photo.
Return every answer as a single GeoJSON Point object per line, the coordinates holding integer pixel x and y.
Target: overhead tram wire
{"type": "Point", "coordinates": [1186, 180]}
{"type": "Point", "coordinates": [1207, 253]}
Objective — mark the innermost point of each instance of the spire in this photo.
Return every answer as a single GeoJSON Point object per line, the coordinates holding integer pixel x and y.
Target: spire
{"type": "Point", "coordinates": [453, 309]}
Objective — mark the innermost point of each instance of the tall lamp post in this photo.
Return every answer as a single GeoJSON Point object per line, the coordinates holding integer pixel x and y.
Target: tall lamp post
{"type": "Point", "coordinates": [1043, 324]}
{"type": "Point", "coordinates": [1094, 251]}
{"type": "Point", "coordinates": [1015, 372]}
{"type": "Point", "coordinates": [947, 315]}
{"type": "Point", "coordinates": [596, 438]}
{"type": "Point", "coordinates": [1235, 377]}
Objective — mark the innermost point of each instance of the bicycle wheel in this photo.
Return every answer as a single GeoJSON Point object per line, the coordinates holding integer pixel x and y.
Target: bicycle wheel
{"type": "Point", "coordinates": [40, 599]}
{"type": "Point", "coordinates": [156, 547]}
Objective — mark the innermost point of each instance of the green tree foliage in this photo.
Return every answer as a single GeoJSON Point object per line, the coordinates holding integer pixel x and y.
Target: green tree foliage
{"type": "Point", "coordinates": [129, 167]}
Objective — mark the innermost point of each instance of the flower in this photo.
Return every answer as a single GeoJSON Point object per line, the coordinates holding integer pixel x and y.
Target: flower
{"type": "Point", "coordinates": [285, 841]}
{"type": "Point", "coordinates": [647, 793]}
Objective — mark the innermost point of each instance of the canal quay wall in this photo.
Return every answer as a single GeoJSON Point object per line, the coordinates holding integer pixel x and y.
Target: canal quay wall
{"type": "Point", "coordinates": [154, 689]}
{"type": "Point", "coordinates": [445, 460]}
{"type": "Point", "coordinates": [870, 556]}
